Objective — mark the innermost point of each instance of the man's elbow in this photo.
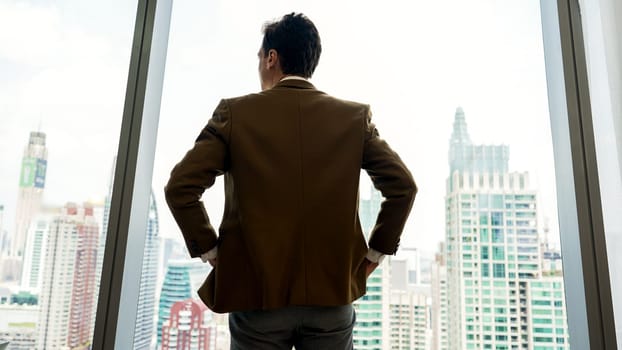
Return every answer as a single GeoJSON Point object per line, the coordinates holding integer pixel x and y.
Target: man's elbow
{"type": "Point", "coordinates": [171, 194]}
{"type": "Point", "coordinates": [411, 188]}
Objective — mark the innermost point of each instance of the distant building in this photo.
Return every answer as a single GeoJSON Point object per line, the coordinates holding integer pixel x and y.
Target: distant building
{"type": "Point", "coordinates": [439, 301]}
{"type": "Point", "coordinates": [495, 279]}
{"type": "Point", "coordinates": [171, 249]}
{"type": "Point", "coordinates": [145, 313]}
{"type": "Point", "coordinates": [182, 280]}
{"type": "Point", "coordinates": [30, 193]}
{"type": "Point", "coordinates": [66, 301]}
{"type": "Point", "coordinates": [399, 274]}
{"type": "Point", "coordinates": [34, 259]}
{"type": "Point", "coordinates": [407, 269]}
{"type": "Point", "coordinates": [371, 330]}
{"type": "Point", "coordinates": [5, 239]}
{"type": "Point", "coordinates": [410, 319]}
{"type": "Point", "coordinates": [188, 328]}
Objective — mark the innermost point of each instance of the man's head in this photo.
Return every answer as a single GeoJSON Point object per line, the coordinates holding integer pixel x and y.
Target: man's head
{"type": "Point", "coordinates": [290, 46]}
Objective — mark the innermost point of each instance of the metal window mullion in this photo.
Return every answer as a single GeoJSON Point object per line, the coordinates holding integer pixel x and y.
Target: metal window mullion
{"type": "Point", "coordinates": [121, 270]}
{"type": "Point", "coordinates": [593, 212]}
{"type": "Point", "coordinates": [583, 239]}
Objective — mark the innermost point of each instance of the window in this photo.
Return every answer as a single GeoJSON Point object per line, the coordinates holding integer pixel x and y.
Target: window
{"type": "Point", "coordinates": [490, 181]}
{"type": "Point", "coordinates": [64, 72]}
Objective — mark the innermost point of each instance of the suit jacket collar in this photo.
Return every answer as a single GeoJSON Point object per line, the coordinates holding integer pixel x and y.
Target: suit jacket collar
{"type": "Point", "coordinates": [294, 83]}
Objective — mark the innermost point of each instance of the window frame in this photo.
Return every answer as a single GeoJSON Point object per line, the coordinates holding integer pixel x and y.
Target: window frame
{"type": "Point", "coordinates": [586, 275]}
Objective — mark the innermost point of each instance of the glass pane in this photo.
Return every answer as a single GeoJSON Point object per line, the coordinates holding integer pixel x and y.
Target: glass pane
{"type": "Point", "coordinates": [64, 70]}
{"type": "Point", "coordinates": [605, 80]}
{"type": "Point", "coordinates": [459, 91]}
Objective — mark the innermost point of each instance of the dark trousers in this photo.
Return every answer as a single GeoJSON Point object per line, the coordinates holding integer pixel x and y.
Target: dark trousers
{"type": "Point", "coordinates": [302, 327]}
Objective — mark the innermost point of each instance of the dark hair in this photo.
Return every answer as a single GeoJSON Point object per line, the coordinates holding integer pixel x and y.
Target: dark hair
{"type": "Point", "coordinates": [296, 40]}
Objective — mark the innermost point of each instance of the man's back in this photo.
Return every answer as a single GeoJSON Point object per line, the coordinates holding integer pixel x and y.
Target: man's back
{"type": "Point", "coordinates": [295, 160]}
{"type": "Point", "coordinates": [290, 233]}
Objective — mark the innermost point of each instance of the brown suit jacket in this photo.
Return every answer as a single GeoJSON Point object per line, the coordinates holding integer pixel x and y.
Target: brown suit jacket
{"type": "Point", "coordinates": [290, 234]}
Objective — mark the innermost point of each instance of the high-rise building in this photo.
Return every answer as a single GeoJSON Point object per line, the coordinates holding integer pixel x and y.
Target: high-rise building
{"type": "Point", "coordinates": [31, 185]}
{"type": "Point", "coordinates": [493, 249]}
{"type": "Point", "coordinates": [371, 330]}
{"type": "Point", "coordinates": [183, 278]}
{"type": "Point", "coordinates": [399, 274]}
{"type": "Point", "coordinates": [6, 269]}
{"type": "Point", "coordinates": [4, 236]}
{"type": "Point", "coordinates": [145, 313]}
{"type": "Point", "coordinates": [439, 301]}
{"type": "Point", "coordinates": [546, 314]}
{"type": "Point", "coordinates": [410, 320]}
{"type": "Point", "coordinates": [171, 249]}
{"type": "Point", "coordinates": [414, 267]}
{"type": "Point", "coordinates": [34, 259]}
{"type": "Point", "coordinates": [188, 327]}
{"type": "Point", "coordinates": [30, 193]}
{"type": "Point", "coordinates": [66, 300]}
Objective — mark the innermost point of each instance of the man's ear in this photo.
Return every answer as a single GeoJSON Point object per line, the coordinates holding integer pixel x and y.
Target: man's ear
{"type": "Point", "coordinates": [273, 59]}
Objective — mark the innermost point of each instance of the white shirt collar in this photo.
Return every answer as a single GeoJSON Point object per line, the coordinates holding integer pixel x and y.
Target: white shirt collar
{"type": "Point", "coordinates": [293, 77]}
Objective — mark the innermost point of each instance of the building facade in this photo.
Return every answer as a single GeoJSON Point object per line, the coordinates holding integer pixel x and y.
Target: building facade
{"type": "Point", "coordinates": [34, 259]}
{"type": "Point", "coordinates": [181, 281]}
{"type": "Point", "coordinates": [67, 309]}
{"type": "Point", "coordinates": [410, 320]}
{"type": "Point", "coordinates": [145, 313]}
{"type": "Point", "coordinates": [439, 310]}
{"type": "Point", "coordinates": [5, 241]}
{"type": "Point", "coordinates": [371, 330]}
{"type": "Point", "coordinates": [29, 197]}
{"type": "Point", "coordinates": [188, 328]}
{"type": "Point", "coordinates": [493, 250]}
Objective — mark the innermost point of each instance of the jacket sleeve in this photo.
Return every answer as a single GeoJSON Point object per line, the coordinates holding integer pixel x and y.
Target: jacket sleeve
{"type": "Point", "coordinates": [391, 177]}
{"type": "Point", "coordinates": [195, 173]}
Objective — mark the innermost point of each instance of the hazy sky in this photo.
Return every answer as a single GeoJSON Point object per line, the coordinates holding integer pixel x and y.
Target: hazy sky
{"type": "Point", "coordinates": [63, 65]}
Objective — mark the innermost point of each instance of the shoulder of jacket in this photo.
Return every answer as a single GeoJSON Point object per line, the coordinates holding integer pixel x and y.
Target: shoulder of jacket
{"type": "Point", "coordinates": [242, 99]}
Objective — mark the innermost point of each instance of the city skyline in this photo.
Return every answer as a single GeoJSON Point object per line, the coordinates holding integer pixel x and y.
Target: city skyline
{"type": "Point", "coordinates": [376, 330]}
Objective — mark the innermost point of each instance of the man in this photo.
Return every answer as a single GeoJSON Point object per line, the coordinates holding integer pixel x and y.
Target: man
{"type": "Point", "coordinates": [290, 256]}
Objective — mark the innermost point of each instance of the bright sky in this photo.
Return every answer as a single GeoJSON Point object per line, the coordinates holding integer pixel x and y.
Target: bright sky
{"type": "Point", "coordinates": [64, 67]}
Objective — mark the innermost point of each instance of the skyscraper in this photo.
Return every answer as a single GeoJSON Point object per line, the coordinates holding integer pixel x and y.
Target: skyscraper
{"type": "Point", "coordinates": [5, 249]}
{"type": "Point", "coordinates": [187, 327]}
{"type": "Point", "coordinates": [439, 301]}
{"type": "Point", "coordinates": [4, 237]}
{"type": "Point", "coordinates": [371, 330]}
{"type": "Point", "coordinates": [409, 320]}
{"type": "Point", "coordinates": [493, 250]}
{"type": "Point", "coordinates": [182, 280]}
{"type": "Point", "coordinates": [409, 309]}
{"type": "Point", "coordinates": [34, 258]}
{"type": "Point", "coordinates": [66, 301]}
{"type": "Point", "coordinates": [145, 314]}
{"type": "Point", "coordinates": [31, 185]}
{"type": "Point", "coordinates": [145, 311]}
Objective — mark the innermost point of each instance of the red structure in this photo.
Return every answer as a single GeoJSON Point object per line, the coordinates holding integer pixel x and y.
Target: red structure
{"type": "Point", "coordinates": [82, 312]}
{"type": "Point", "coordinates": [187, 328]}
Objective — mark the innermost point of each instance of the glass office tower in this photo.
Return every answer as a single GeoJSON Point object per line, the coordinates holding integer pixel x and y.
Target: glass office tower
{"type": "Point", "coordinates": [496, 286]}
